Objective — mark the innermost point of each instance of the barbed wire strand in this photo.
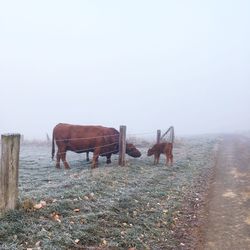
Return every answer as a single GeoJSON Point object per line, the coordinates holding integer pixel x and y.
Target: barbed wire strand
{"type": "Point", "coordinates": [88, 149]}
{"type": "Point", "coordinates": [106, 145]}
{"type": "Point", "coordinates": [101, 136]}
{"type": "Point", "coordinates": [86, 138]}
{"type": "Point", "coordinates": [102, 155]}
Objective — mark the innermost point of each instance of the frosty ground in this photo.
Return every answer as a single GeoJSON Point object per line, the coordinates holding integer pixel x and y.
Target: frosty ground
{"type": "Point", "coordinates": [140, 205]}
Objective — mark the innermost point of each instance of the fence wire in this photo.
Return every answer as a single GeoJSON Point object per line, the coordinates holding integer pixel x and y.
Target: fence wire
{"type": "Point", "coordinates": [91, 149]}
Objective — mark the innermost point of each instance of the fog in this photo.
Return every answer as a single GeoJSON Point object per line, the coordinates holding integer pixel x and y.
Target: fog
{"type": "Point", "coordinates": [144, 64]}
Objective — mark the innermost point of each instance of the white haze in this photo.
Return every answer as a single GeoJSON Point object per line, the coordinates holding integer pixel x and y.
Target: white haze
{"type": "Point", "coordinates": [144, 64]}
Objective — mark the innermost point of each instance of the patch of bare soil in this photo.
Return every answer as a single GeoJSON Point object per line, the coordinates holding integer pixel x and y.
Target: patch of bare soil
{"type": "Point", "coordinates": [220, 217]}
{"type": "Point", "coordinates": [228, 224]}
{"type": "Point", "coordinates": [189, 230]}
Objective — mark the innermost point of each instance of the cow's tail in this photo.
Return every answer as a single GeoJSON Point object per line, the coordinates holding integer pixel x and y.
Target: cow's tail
{"type": "Point", "coordinates": [53, 146]}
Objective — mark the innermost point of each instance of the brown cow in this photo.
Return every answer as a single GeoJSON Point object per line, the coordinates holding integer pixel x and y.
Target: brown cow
{"type": "Point", "coordinates": [162, 148]}
{"type": "Point", "coordinates": [102, 141]}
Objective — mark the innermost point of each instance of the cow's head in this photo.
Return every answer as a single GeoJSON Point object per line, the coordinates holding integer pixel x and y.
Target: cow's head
{"type": "Point", "coordinates": [131, 150]}
{"type": "Point", "coordinates": [150, 152]}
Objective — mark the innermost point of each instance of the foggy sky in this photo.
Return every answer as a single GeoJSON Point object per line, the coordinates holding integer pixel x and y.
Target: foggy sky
{"type": "Point", "coordinates": [144, 64]}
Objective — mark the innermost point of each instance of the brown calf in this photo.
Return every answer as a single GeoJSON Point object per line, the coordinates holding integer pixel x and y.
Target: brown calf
{"type": "Point", "coordinates": [162, 148]}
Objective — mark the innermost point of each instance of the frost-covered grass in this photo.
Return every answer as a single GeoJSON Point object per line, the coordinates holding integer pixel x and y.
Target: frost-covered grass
{"type": "Point", "coordinates": [109, 207]}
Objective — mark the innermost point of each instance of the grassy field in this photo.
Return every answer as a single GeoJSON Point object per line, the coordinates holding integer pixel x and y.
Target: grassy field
{"type": "Point", "coordinates": [140, 205]}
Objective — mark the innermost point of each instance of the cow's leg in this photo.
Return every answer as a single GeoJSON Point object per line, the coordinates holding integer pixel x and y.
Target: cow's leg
{"type": "Point", "coordinates": [167, 159]}
{"type": "Point", "coordinates": [63, 157]}
{"type": "Point", "coordinates": [95, 161]}
{"type": "Point", "coordinates": [87, 156]}
{"type": "Point", "coordinates": [58, 157]}
{"type": "Point", "coordinates": [155, 159]}
{"type": "Point", "coordinates": [171, 159]}
{"type": "Point", "coordinates": [158, 158]}
{"type": "Point", "coordinates": [109, 158]}
{"type": "Point", "coordinates": [95, 158]}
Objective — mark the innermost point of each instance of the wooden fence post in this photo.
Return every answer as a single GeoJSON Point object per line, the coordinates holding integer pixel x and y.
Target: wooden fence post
{"type": "Point", "coordinates": [122, 146]}
{"type": "Point", "coordinates": [170, 133]}
{"type": "Point", "coordinates": [158, 136]}
{"type": "Point", "coordinates": [9, 171]}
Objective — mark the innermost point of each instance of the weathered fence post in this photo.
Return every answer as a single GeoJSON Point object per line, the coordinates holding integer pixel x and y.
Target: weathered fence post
{"type": "Point", "coordinates": [170, 133]}
{"type": "Point", "coordinates": [158, 136]}
{"type": "Point", "coordinates": [22, 138]}
{"type": "Point", "coordinates": [122, 146]}
{"type": "Point", "coordinates": [9, 171]}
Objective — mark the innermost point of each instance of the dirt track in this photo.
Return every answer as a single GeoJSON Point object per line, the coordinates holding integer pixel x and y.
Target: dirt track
{"type": "Point", "coordinates": [228, 225]}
